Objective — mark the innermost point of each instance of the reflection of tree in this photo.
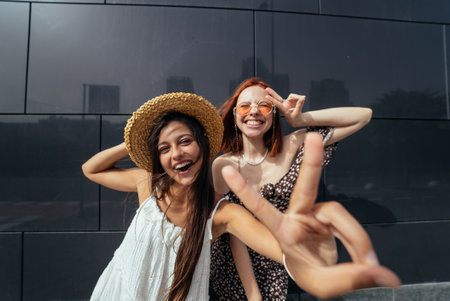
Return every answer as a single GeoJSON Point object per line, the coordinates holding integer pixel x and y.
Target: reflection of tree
{"type": "Point", "coordinates": [328, 93]}
{"type": "Point", "coordinates": [401, 103]}
{"type": "Point", "coordinates": [280, 82]}
{"type": "Point", "coordinates": [390, 144]}
{"type": "Point", "coordinates": [101, 98]}
{"type": "Point", "coordinates": [394, 165]}
{"type": "Point", "coordinates": [40, 146]}
{"type": "Point", "coordinates": [247, 70]}
{"type": "Point", "coordinates": [415, 140]}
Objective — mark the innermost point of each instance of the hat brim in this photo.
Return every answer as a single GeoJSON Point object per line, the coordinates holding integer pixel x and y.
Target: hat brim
{"type": "Point", "coordinates": [139, 126]}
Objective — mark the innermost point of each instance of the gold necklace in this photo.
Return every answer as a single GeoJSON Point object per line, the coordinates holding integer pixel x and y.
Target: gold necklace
{"type": "Point", "coordinates": [255, 163]}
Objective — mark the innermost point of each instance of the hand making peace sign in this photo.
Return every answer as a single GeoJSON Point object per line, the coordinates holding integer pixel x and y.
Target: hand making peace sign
{"type": "Point", "coordinates": [305, 232]}
{"type": "Point", "coordinates": [291, 107]}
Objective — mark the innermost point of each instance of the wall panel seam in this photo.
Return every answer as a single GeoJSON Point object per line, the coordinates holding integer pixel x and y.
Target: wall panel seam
{"type": "Point", "coordinates": [444, 38]}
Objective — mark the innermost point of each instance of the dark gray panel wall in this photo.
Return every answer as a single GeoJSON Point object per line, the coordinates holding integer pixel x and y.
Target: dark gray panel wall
{"type": "Point", "coordinates": [415, 250]}
{"type": "Point", "coordinates": [343, 62]}
{"type": "Point", "coordinates": [393, 171]}
{"type": "Point", "coordinates": [71, 77]}
{"type": "Point", "coordinates": [311, 6]}
{"type": "Point", "coordinates": [132, 53]}
{"type": "Point", "coordinates": [408, 10]}
{"type": "Point", "coordinates": [117, 208]}
{"type": "Point", "coordinates": [65, 266]}
{"type": "Point", "coordinates": [11, 263]}
{"type": "Point", "coordinates": [42, 183]}
{"type": "Point", "coordinates": [13, 56]}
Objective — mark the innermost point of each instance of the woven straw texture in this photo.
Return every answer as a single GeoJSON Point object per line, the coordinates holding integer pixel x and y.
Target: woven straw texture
{"type": "Point", "coordinates": [141, 122]}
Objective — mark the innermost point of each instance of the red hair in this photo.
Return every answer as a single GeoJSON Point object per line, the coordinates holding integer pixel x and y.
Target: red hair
{"type": "Point", "coordinates": [232, 135]}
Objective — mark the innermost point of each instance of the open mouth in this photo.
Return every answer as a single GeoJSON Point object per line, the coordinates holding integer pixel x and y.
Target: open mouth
{"type": "Point", "coordinates": [184, 166]}
{"type": "Point", "coordinates": [253, 122]}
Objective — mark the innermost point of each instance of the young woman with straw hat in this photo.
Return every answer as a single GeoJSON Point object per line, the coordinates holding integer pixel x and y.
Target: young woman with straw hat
{"type": "Point", "coordinates": [270, 162]}
{"type": "Point", "coordinates": [165, 254]}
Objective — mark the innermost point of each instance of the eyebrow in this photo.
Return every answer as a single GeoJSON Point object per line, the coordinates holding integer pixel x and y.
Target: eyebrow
{"type": "Point", "coordinates": [178, 138]}
{"type": "Point", "coordinates": [256, 101]}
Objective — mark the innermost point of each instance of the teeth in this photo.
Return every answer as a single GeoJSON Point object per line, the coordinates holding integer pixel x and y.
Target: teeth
{"type": "Point", "coordinates": [179, 166]}
{"type": "Point", "coordinates": [253, 122]}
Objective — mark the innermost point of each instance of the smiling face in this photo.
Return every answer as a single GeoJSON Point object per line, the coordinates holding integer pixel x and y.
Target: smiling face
{"type": "Point", "coordinates": [257, 121]}
{"type": "Point", "coordinates": [179, 153]}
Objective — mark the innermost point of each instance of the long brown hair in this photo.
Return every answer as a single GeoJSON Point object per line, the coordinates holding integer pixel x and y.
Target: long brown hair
{"type": "Point", "coordinates": [201, 195]}
{"type": "Point", "coordinates": [232, 136]}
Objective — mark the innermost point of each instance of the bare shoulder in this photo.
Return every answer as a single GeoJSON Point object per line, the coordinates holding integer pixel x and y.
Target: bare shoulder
{"type": "Point", "coordinates": [218, 164]}
{"type": "Point", "coordinates": [223, 160]}
{"type": "Point", "coordinates": [296, 138]}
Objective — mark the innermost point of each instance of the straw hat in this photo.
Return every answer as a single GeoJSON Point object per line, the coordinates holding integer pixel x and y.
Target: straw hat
{"type": "Point", "coordinates": [142, 121]}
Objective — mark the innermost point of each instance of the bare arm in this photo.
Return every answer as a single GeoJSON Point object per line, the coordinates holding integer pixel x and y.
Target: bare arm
{"type": "Point", "coordinates": [244, 268]}
{"type": "Point", "coordinates": [345, 120]}
{"type": "Point", "coordinates": [100, 169]}
{"type": "Point", "coordinates": [236, 220]}
{"type": "Point", "coordinates": [238, 249]}
{"type": "Point", "coordinates": [220, 186]}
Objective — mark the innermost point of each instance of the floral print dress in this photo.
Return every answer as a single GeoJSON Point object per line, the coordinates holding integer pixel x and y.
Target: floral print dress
{"type": "Point", "coordinates": [271, 276]}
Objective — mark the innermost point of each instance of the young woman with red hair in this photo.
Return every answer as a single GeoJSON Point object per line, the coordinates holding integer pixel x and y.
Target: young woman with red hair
{"type": "Point", "coordinates": [270, 162]}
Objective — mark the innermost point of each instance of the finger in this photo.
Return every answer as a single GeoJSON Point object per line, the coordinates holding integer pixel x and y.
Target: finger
{"type": "Point", "coordinates": [295, 97]}
{"type": "Point", "coordinates": [299, 104]}
{"type": "Point", "coordinates": [296, 102]}
{"type": "Point", "coordinates": [274, 94]}
{"type": "Point", "coordinates": [278, 104]}
{"type": "Point", "coordinates": [348, 230]}
{"type": "Point", "coordinates": [343, 278]}
{"type": "Point", "coordinates": [262, 209]}
{"type": "Point", "coordinates": [305, 190]}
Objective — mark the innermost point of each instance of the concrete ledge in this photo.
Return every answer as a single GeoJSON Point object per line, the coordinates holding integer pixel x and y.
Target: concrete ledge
{"type": "Point", "coordinates": [410, 292]}
{"type": "Point", "coordinates": [425, 291]}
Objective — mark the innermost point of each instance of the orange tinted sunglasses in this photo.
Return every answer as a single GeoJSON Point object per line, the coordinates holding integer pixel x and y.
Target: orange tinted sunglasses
{"type": "Point", "coordinates": [263, 107]}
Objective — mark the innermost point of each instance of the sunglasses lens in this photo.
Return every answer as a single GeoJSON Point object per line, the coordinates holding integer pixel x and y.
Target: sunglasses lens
{"type": "Point", "coordinates": [264, 109]}
{"type": "Point", "coordinates": [243, 109]}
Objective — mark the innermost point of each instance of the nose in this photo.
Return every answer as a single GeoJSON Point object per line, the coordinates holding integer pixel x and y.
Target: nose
{"type": "Point", "coordinates": [253, 108]}
{"type": "Point", "coordinates": [177, 152]}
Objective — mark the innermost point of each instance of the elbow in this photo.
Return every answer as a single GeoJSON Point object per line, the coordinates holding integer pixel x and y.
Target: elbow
{"type": "Point", "coordinates": [85, 170]}
{"type": "Point", "coordinates": [369, 114]}
{"type": "Point", "coordinates": [366, 116]}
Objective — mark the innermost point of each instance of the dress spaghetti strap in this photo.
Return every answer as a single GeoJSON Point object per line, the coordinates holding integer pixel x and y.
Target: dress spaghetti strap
{"type": "Point", "coordinates": [210, 220]}
{"type": "Point", "coordinates": [217, 206]}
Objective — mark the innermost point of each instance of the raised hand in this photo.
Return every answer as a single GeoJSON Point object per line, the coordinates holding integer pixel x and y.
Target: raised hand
{"type": "Point", "coordinates": [305, 233]}
{"type": "Point", "coordinates": [291, 106]}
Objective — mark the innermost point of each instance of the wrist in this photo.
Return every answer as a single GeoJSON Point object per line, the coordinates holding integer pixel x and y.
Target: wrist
{"type": "Point", "coordinates": [300, 121]}
{"type": "Point", "coordinates": [307, 119]}
{"type": "Point", "coordinates": [122, 148]}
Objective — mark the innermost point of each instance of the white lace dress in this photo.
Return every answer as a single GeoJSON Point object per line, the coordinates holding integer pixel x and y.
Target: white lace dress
{"type": "Point", "coordinates": [142, 267]}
